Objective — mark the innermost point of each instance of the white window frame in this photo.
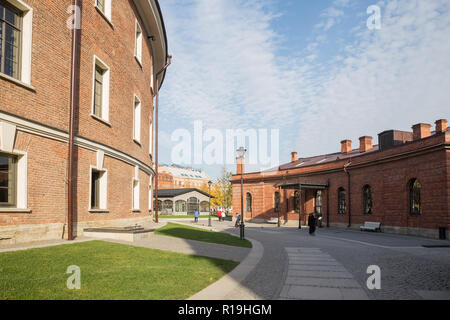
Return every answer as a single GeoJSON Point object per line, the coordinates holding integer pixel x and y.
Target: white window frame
{"type": "Point", "coordinates": [107, 13]}
{"type": "Point", "coordinates": [138, 34]}
{"type": "Point", "coordinates": [137, 111]}
{"type": "Point", "coordinates": [103, 203]}
{"type": "Point", "coordinates": [135, 195]}
{"type": "Point", "coordinates": [26, 42]}
{"type": "Point", "coordinates": [150, 144]}
{"type": "Point", "coordinates": [105, 90]}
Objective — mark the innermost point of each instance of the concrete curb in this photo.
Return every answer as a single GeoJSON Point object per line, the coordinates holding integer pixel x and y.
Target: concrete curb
{"type": "Point", "coordinates": [230, 287]}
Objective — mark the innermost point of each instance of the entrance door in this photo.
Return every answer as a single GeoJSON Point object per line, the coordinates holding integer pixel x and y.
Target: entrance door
{"type": "Point", "coordinates": [193, 205]}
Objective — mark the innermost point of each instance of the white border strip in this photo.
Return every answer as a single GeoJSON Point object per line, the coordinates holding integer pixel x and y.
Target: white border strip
{"type": "Point", "coordinates": [50, 133]}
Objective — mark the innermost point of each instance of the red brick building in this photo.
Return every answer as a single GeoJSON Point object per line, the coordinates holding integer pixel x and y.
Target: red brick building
{"type": "Point", "coordinates": [403, 182]}
{"type": "Point", "coordinates": [122, 45]}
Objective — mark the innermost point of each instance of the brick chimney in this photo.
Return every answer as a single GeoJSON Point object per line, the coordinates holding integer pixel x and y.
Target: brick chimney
{"type": "Point", "coordinates": [238, 165]}
{"type": "Point", "coordinates": [365, 144]}
{"type": "Point", "coordinates": [441, 126]}
{"type": "Point", "coordinates": [421, 131]}
{"type": "Point", "coordinates": [294, 157]}
{"type": "Point", "coordinates": [346, 146]}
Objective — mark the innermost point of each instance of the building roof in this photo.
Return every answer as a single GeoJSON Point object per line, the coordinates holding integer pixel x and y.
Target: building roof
{"type": "Point", "coordinates": [306, 162]}
{"type": "Point", "coordinates": [186, 172]}
{"type": "Point", "coordinates": [172, 193]}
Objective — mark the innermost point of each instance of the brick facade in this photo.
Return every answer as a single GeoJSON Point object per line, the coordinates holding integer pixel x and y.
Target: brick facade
{"type": "Point", "coordinates": [387, 172]}
{"type": "Point", "coordinates": [39, 113]}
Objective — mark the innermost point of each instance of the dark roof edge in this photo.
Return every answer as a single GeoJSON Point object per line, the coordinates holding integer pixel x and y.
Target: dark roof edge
{"type": "Point", "coordinates": [165, 38]}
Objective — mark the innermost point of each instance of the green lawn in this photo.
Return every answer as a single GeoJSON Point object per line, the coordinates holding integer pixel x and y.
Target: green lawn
{"type": "Point", "coordinates": [192, 233]}
{"type": "Point", "coordinates": [109, 271]}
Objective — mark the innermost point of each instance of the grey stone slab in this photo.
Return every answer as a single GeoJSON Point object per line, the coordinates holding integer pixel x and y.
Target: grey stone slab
{"type": "Point", "coordinates": [314, 293]}
{"type": "Point", "coordinates": [318, 259]}
{"type": "Point", "coordinates": [353, 294]}
{"type": "Point", "coordinates": [319, 274]}
{"type": "Point", "coordinates": [322, 282]}
{"type": "Point", "coordinates": [433, 295]}
{"type": "Point", "coordinates": [317, 268]}
{"type": "Point", "coordinates": [314, 263]}
{"type": "Point", "coordinates": [284, 294]}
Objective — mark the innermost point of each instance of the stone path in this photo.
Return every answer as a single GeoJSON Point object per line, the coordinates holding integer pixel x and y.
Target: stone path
{"type": "Point", "coordinates": [314, 275]}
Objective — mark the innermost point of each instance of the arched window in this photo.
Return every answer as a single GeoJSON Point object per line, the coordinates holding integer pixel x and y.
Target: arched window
{"type": "Point", "coordinates": [180, 206]}
{"type": "Point", "coordinates": [249, 202]}
{"type": "Point", "coordinates": [415, 206]}
{"type": "Point", "coordinates": [367, 199]}
{"type": "Point", "coordinates": [318, 204]}
{"type": "Point", "coordinates": [342, 204]}
{"type": "Point", "coordinates": [204, 206]}
{"type": "Point", "coordinates": [168, 206]}
{"type": "Point", "coordinates": [192, 205]}
{"type": "Point", "coordinates": [277, 202]}
{"type": "Point", "coordinates": [297, 201]}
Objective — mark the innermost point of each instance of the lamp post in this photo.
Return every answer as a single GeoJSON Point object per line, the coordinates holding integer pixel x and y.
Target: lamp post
{"type": "Point", "coordinates": [209, 220]}
{"type": "Point", "coordinates": [241, 156]}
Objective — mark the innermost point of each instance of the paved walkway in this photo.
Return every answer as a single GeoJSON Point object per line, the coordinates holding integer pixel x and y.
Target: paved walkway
{"type": "Point", "coordinates": [314, 275]}
{"type": "Point", "coordinates": [193, 247]}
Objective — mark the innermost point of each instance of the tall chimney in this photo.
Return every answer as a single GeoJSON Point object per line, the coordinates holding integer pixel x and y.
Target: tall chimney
{"type": "Point", "coordinates": [346, 146]}
{"type": "Point", "coordinates": [421, 131]}
{"type": "Point", "coordinates": [294, 157]}
{"type": "Point", "coordinates": [441, 126]}
{"type": "Point", "coordinates": [365, 144]}
{"type": "Point", "coordinates": [239, 167]}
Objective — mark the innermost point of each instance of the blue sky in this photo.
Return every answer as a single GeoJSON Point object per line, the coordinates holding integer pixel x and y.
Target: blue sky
{"type": "Point", "coordinates": [311, 69]}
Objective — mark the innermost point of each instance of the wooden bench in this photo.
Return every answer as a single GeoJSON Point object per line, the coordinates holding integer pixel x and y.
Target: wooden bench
{"type": "Point", "coordinates": [371, 226]}
{"type": "Point", "coordinates": [272, 220]}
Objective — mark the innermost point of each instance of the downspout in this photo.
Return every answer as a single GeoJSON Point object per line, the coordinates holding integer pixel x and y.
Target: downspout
{"type": "Point", "coordinates": [349, 193]}
{"type": "Point", "coordinates": [156, 138]}
{"type": "Point", "coordinates": [75, 68]}
{"type": "Point", "coordinates": [328, 204]}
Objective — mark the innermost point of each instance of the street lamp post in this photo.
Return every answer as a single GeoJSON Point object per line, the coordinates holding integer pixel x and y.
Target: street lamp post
{"type": "Point", "coordinates": [209, 220]}
{"type": "Point", "coordinates": [241, 156]}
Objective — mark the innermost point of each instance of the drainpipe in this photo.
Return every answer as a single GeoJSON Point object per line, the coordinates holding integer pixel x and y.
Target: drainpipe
{"type": "Point", "coordinates": [156, 137]}
{"type": "Point", "coordinates": [73, 101]}
{"type": "Point", "coordinates": [328, 204]}
{"type": "Point", "coordinates": [349, 194]}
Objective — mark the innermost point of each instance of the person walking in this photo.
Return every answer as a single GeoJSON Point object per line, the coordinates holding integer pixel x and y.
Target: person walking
{"type": "Point", "coordinates": [238, 220]}
{"type": "Point", "coordinates": [312, 224]}
{"type": "Point", "coordinates": [196, 216]}
{"type": "Point", "coordinates": [219, 215]}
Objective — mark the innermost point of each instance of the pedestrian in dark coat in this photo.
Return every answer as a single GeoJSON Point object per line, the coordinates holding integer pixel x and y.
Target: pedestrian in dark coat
{"type": "Point", "coordinates": [312, 224]}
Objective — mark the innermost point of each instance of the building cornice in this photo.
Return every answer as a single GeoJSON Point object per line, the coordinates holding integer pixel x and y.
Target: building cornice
{"type": "Point", "coordinates": [153, 24]}
{"type": "Point", "coordinates": [61, 136]}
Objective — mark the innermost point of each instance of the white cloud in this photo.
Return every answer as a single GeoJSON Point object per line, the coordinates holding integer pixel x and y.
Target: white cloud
{"type": "Point", "coordinates": [390, 79]}
{"type": "Point", "coordinates": [226, 72]}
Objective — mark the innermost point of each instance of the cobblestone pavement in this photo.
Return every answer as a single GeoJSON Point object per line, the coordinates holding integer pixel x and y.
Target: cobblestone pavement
{"type": "Point", "coordinates": [408, 270]}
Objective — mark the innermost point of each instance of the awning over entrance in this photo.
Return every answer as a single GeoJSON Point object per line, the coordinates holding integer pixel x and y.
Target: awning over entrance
{"type": "Point", "coordinates": [302, 184]}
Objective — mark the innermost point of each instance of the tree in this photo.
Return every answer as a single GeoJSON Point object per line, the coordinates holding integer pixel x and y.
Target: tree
{"type": "Point", "coordinates": [221, 191]}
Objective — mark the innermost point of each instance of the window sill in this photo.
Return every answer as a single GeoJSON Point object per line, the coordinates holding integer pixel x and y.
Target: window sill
{"type": "Point", "coordinates": [14, 210]}
{"type": "Point", "coordinates": [136, 210]}
{"type": "Point", "coordinates": [17, 82]}
{"type": "Point", "coordinates": [138, 61]}
{"type": "Point", "coordinates": [137, 142]}
{"type": "Point", "coordinates": [105, 17]}
{"type": "Point", "coordinates": [98, 210]}
{"type": "Point", "coordinates": [101, 120]}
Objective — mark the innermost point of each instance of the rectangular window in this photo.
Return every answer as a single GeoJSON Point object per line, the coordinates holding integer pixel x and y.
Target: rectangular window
{"type": "Point", "coordinates": [98, 189]}
{"type": "Point", "coordinates": [98, 91]}
{"type": "Point", "coordinates": [138, 46]}
{"type": "Point", "coordinates": [137, 120]}
{"type": "Point", "coordinates": [151, 138]}
{"type": "Point", "coordinates": [10, 40]}
{"type": "Point", "coordinates": [95, 189]}
{"type": "Point", "coordinates": [8, 180]}
{"type": "Point", "coordinates": [135, 194]}
{"type": "Point", "coordinates": [100, 107]}
{"type": "Point", "coordinates": [101, 5]}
